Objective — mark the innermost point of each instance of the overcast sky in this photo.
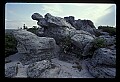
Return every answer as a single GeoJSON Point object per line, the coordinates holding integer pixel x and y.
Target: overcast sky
{"type": "Point", "coordinates": [17, 14]}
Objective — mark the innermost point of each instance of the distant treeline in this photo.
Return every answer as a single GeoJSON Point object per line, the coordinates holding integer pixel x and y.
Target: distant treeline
{"type": "Point", "coordinates": [109, 29]}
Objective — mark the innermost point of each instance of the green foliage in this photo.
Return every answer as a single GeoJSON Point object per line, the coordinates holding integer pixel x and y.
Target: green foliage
{"type": "Point", "coordinates": [68, 47]}
{"type": "Point", "coordinates": [10, 45]}
{"type": "Point", "coordinates": [65, 44]}
{"type": "Point", "coordinates": [99, 43]}
{"type": "Point", "coordinates": [33, 30]}
{"type": "Point", "coordinates": [110, 30]}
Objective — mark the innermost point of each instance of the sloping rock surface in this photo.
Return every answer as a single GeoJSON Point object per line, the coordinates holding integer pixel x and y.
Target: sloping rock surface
{"type": "Point", "coordinates": [34, 47]}
{"type": "Point", "coordinates": [103, 63]}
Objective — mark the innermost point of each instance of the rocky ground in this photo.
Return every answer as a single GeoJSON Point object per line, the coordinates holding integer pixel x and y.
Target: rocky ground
{"type": "Point", "coordinates": [62, 69]}
{"type": "Point", "coordinates": [62, 48]}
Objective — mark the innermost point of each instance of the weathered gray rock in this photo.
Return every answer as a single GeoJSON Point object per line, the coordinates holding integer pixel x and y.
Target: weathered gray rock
{"type": "Point", "coordinates": [57, 21]}
{"type": "Point", "coordinates": [42, 22]}
{"type": "Point", "coordinates": [54, 69]}
{"type": "Point", "coordinates": [36, 16]}
{"type": "Point", "coordinates": [105, 56]}
{"type": "Point", "coordinates": [103, 63]}
{"type": "Point", "coordinates": [51, 73]}
{"type": "Point", "coordinates": [71, 20]}
{"type": "Point", "coordinates": [109, 40]}
{"type": "Point", "coordinates": [40, 32]}
{"type": "Point", "coordinates": [11, 69]}
{"type": "Point", "coordinates": [55, 27]}
{"type": "Point", "coordinates": [63, 69]}
{"type": "Point", "coordinates": [101, 71]}
{"type": "Point", "coordinates": [58, 27]}
{"type": "Point", "coordinates": [72, 32]}
{"type": "Point", "coordinates": [86, 25]}
{"type": "Point", "coordinates": [11, 72]}
{"type": "Point", "coordinates": [30, 42]}
{"type": "Point", "coordinates": [34, 47]}
{"type": "Point", "coordinates": [81, 40]}
{"type": "Point", "coordinates": [34, 70]}
{"type": "Point", "coordinates": [49, 69]}
{"type": "Point", "coordinates": [57, 33]}
{"type": "Point", "coordinates": [88, 49]}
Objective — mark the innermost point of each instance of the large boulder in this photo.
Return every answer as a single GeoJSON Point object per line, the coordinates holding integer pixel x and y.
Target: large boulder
{"type": "Point", "coordinates": [34, 47]}
{"type": "Point", "coordinates": [103, 63]}
{"type": "Point", "coordinates": [81, 40]}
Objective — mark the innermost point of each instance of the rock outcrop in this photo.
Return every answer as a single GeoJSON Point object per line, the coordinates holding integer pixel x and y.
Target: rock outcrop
{"type": "Point", "coordinates": [57, 48]}
{"type": "Point", "coordinates": [55, 27]}
{"type": "Point", "coordinates": [86, 25]}
{"type": "Point", "coordinates": [103, 63]}
{"type": "Point", "coordinates": [34, 47]}
{"type": "Point", "coordinates": [81, 40]}
{"type": "Point", "coordinates": [59, 28]}
{"type": "Point", "coordinates": [108, 42]}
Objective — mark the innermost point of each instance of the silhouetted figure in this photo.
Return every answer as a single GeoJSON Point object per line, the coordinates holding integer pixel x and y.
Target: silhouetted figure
{"type": "Point", "coordinates": [24, 27]}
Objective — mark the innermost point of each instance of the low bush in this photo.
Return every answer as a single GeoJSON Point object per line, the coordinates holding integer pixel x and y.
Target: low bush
{"type": "Point", "coordinates": [65, 44]}
{"type": "Point", "coordinates": [99, 43]}
{"type": "Point", "coordinates": [10, 45]}
{"type": "Point", "coordinates": [110, 30]}
{"type": "Point", "coordinates": [33, 30]}
{"type": "Point", "coordinates": [69, 48]}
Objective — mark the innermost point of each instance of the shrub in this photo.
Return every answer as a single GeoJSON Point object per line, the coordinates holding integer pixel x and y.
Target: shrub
{"type": "Point", "coordinates": [110, 30]}
{"type": "Point", "coordinates": [65, 44]}
{"type": "Point", "coordinates": [10, 45]}
{"type": "Point", "coordinates": [33, 30]}
{"type": "Point", "coordinates": [99, 43]}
